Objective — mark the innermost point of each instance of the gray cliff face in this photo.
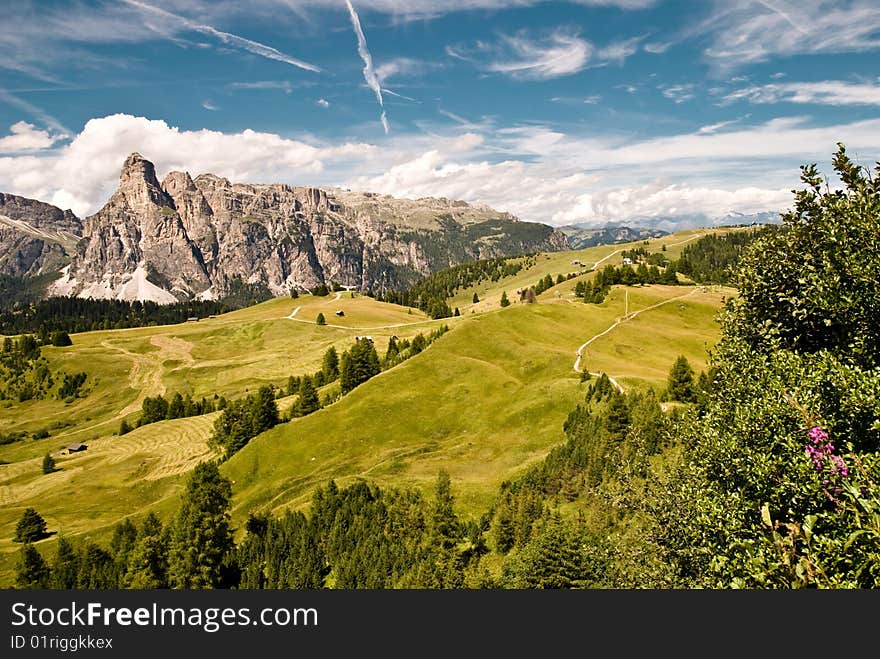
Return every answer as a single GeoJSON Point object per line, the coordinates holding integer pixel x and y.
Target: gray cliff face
{"type": "Point", "coordinates": [205, 236]}
{"type": "Point", "coordinates": [35, 238]}
{"type": "Point", "coordinates": [138, 228]}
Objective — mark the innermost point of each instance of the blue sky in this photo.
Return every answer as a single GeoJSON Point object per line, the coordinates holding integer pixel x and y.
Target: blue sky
{"type": "Point", "coordinates": [595, 111]}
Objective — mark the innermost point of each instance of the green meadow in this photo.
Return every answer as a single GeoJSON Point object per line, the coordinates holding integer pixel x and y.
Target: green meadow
{"type": "Point", "coordinates": [483, 402]}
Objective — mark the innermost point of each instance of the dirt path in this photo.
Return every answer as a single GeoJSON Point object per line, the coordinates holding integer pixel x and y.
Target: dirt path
{"type": "Point", "coordinates": [623, 319]}
{"type": "Point", "coordinates": [293, 313]}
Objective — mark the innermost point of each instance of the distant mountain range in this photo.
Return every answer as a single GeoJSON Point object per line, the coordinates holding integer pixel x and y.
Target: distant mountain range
{"type": "Point", "coordinates": [202, 238]}
{"type": "Point", "coordinates": [583, 235]}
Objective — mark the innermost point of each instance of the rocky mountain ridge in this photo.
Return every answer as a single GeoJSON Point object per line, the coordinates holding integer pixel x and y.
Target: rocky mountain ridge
{"type": "Point", "coordinates": [205, 236]}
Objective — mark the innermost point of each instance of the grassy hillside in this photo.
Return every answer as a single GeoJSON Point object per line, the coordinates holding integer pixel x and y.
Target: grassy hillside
{"type": "Point", "coordinates": [483, 402]}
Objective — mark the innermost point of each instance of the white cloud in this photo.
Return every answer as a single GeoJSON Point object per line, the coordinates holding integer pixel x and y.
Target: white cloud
{"type": "Point", "coordinates": [555, 54]}
{"type": "Point", "coordinates": [82, 175]}
{"type": "Point", "coordinates": [746, 31]}
{"type": "Point", "coordinates": [208, 105]}
{"type": "Point", "coordinates": [828, 92]}
{"type": "Point", "coordinates": [26, 137]}
{"type": "Point", "coordinates": [561, 53]}
{"type": "Point", "coordinates": [657, 47]}
{"type": "Point", "coordinates": [405, 67]}
{"type": "Point", "coordinates": [665, 200]}
{"type": "Point", "coordinates": [618, 51]}
{"type": "Point", "coordinates": [544, 195]}
{"type": "Point", "coordinates": [536, 172]}
{"type": "Point", "coordinates": [714, 128]}
{"type": "Point", "coordinates": [323, 102]}
{"type": "Point", "coordinates": [679, 93]}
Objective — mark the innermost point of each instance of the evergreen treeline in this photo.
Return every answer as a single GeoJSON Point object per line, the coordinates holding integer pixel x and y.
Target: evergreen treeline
{"type": "Point", "coordinates": [596, 289]}
{"type": "Point", "coordinates": [548, 282]}
{"type": "Point", "coordinates": [159, 408]}
{"type": "Point", "coordinates": [713, 259]}
{"type": "Point", "coordinates": [431, 293]}
{"type": "Point", "coordinates": [356, 537]}
{"type": "Point", "coordinates": [73, 314]}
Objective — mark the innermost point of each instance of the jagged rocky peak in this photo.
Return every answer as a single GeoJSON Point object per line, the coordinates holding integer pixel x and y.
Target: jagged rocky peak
{"type": "Point", "coordinates": [206, 237]}
{"type": "Point", "coordinates": [138, 182]}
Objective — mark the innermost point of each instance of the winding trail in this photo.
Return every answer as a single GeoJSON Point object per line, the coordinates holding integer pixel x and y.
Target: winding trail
{"type": "Point", "coordinates": [358, 329]}
{"type": "Point", "coordinates": [292, 316]}
{"type": "Point", "coordinates": [623, 319]}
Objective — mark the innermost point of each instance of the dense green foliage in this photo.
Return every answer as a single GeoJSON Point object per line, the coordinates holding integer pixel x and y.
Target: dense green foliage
{"type": "Point", "coordinates": [430, 293]}
{"type": "Point", "coordinates": [201, 536]}
{"type": "Point", "coordinates": [595, 290]}
{"type": "Point", "coordinates": [159, 408]}
{"type": "Point", "coordinates": [73, 314]}
{"type": "Point", "coordinates": [680, 385]}
{"type": "Point", "coordinates": [244, 419]}
{"type": "Point", "coordinates": [713, 258]}
{"type": "Point", "coordinates": [31, 571]}
{"type": "Point", "coordinates": [779, 482]}
{"type": "Point", "coordinates": [358, 364]}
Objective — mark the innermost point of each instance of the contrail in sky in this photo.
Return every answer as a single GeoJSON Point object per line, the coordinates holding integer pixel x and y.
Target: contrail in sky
{"type": "Point", "coordinates": [232, 39]}
{"type": "Point", "coordinates": [369, 71]}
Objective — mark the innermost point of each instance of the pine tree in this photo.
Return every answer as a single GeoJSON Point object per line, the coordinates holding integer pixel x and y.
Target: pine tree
{"type": "Point", "coordinates": [124, 536]}
{"type": "Point", "coordinates": [201, 537]}
{"type": "Point", "coordinates": [65, 567]}
{"type": "Point", "coordinates": [330, 365]}
{"type": "Point", "coordinates": [476, 298]}
{"type": "Point", "coordinates": [175, 407]}
{"type": "Point", "coordinates": [393, 350]}
{"type": "Point", "coordinates": [320, 320]}
{"type": "Point", "coordinates": [30, 528]}
{"type": "Point", "coordinates": [308, 397]}
{"type": "Point", "coordinates": [358, 365]}
{"type": "Point", "coordinates": [48, 464]}
{"type": "Point", "coordinates": [148, 561]}
{"type": "Point", "coordinates": [61, 339]}
{"type": "Point", "coordinates": [680, 382]}
{"type": "Point", "coordinates": [504, 301]}
{"type": "Point", "coordinates": [264, 410]}
{"type": "Point", "coordinates": [456, 313]}
{"type": "Point", "coordinates": [124, 428]}
{"type": "Point", "coordinates": [31, 571]}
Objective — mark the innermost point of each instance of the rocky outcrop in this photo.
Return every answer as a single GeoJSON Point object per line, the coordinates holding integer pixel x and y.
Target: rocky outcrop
{"type": "Point", "coordinates": [205, 237]}
{"type": "Point", "coordinates": [35, 238]}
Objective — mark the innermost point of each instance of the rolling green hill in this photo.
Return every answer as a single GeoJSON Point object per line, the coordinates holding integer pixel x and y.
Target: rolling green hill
{"type": "Point", "coordinates": [483, 402]}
